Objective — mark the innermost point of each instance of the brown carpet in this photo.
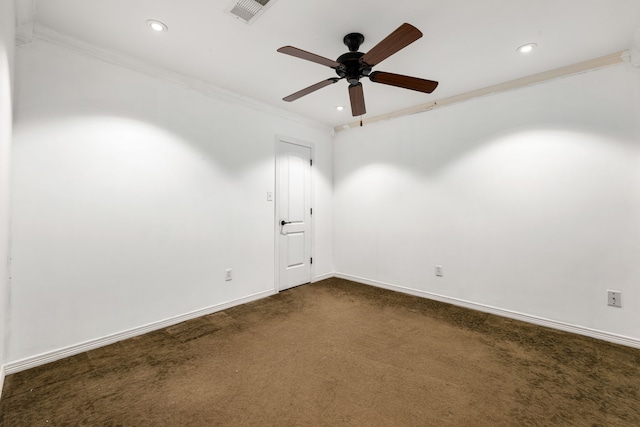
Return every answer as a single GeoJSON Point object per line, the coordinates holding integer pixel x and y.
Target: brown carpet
{"type": "Point", "coordinates": [336, 353]}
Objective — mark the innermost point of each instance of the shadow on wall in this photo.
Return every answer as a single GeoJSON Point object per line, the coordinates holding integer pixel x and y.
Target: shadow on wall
{"type": "Point", "coordinates": [119, 170]}
{"type": "Point", "coordinates": [432, 151]}
{"type": "Point", "coordinates": [127, 179]}
{"type": "Point", "coordinates": [116, 137]}
{"type": "Point", "coordinates": [532, 160]}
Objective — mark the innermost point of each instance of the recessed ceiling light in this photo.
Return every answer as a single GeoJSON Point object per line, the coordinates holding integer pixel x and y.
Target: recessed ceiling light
{"type": "Point", "coordinates": [156, 25]}
{"type": "Point", "coordinates": [339, 107]}
{"type": "Point", "coordinates": [526, 48]}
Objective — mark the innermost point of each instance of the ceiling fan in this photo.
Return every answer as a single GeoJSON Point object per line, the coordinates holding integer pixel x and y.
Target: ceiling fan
{"type": "Point", "coordinates": [354, 65]}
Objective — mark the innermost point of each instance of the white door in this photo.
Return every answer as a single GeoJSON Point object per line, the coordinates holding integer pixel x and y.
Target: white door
{"type": "Point", "coordinates": [293, 169]}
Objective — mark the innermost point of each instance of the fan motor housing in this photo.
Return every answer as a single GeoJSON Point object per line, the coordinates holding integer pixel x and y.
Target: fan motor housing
{"type": "Point", "coordinates": [352, 67]}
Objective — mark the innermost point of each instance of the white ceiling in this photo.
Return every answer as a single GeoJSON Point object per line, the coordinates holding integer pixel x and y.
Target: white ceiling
{"type": "Point", "coordinates": [467, 44]}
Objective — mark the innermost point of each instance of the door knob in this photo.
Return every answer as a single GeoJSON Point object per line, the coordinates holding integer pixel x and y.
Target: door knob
{"type": "Point", "coordinates": [283, 222]}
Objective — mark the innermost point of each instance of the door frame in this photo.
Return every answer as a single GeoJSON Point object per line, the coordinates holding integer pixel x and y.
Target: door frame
{"type": "Point", "coordinates": [279, 140]}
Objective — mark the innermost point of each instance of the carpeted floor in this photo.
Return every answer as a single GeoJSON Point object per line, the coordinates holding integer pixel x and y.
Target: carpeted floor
{"type": "Point", "coordinates": [336, 353]}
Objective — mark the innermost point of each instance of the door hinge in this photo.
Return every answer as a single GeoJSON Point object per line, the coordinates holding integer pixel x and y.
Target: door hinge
{"type": "Point", "coordinates": [311, 211]}
{"type": "Point", "coordinates": [310, 162]}
{"type": "Point", "coordinates": [311, 260]}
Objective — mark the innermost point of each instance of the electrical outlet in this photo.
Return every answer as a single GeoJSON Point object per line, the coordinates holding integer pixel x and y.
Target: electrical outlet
{"type": "Point", "coordinates": [614, 298]}
{"type": "Point", "coordinates": [439, 271]}
{"type": "Point", "coordinates": [227, 275]}
{"type": "Point", "coordinates": [269, 196]}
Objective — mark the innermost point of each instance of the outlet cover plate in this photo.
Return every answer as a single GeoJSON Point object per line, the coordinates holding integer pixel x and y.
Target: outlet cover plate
{"type": "Point", "coordinates": [439, 271]}
{"type": "Point", "coordinates": [614, 298]}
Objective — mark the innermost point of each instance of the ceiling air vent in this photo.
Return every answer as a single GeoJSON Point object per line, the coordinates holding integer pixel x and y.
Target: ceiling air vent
{"type": "Point", "coordinates": [248, 10]}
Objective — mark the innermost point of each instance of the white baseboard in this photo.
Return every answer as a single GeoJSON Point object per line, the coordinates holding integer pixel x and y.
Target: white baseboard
{"type": "Point", "coordinates": [31, 362]}
{"type": "Point", "coordinates": [580, 330]}
{"type": "Point", "coordinates": [323, 277]}
{"type": "Point", "coordinates": [52, 356]}
{"type": "Point", "coordinates": [2, 375]}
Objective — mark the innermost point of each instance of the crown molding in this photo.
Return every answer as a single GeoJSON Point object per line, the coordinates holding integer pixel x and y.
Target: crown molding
{"type": "Point", "coordinates": [27, 34]}
{"type": "Point", "coordinates": [580, 67]}
{"type": "Point", "coordinates": [24, 35]}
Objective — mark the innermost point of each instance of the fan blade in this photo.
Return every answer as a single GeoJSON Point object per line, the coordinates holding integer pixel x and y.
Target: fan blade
{"type": "Point", "coordinates": [303, 54]}
{"type": "Point", "coordinates": [356, 95]}
{"type": "Point", "coordinates": [402, 37]}
{"type": "Point", "coordinates": [406, 82]}
{"type": "Point", "coordinates": [308, 90]}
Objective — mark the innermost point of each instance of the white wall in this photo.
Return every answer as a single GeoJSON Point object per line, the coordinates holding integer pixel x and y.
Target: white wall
{"type": "Point", "coordinates": [132, 195]}
{"type": "Point", "coordinates": [529, 199]}
{"type": "Point", "coordinates": [7, 37]}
